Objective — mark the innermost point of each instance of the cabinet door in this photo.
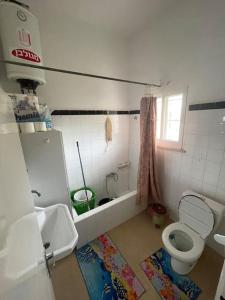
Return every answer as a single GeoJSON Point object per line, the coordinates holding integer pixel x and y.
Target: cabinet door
{"type": "Point", "coordinates": [23, 271]}
{"type": "Point", "coordinates": [44, 157]}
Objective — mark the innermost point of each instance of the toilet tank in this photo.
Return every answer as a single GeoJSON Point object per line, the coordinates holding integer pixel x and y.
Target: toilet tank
{"type": "Point", "coordinates": [218, 209]}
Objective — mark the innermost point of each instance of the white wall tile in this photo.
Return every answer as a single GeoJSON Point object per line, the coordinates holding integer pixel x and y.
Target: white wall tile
{"type": "Point", "coordinates": [199, 153]}
{"type": "Point", "coordinates": [215, 155]}
{"type": "Point", "coordinates": [212, 168]}
{"type": "Point", "coordinates": [217, 141]}
{"type": "Point", "coordinates": [211, 175]}
{"type": "Point", "coordinates": [197, 168]}
{"type": "Point", "coordinates": [201, 168]}
{"type": "Point", "coordinates": [202, 141]}
{"type": "Point", "coordinates": [189, 148]}
{"type": "Point", "coordinates": [98, 160]}
{"type": "Point", "coordinates": [196, 185]}
{"type": "Point", "coordinates": [186, 162]}
{"type": "Point", "coordinates": [209, 190]}
{"type": "Point", "coordinates": [220, 195]}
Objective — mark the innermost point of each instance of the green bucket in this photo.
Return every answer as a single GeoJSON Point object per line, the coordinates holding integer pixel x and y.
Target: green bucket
{"type": "Point", "coordinates": [79, 201]}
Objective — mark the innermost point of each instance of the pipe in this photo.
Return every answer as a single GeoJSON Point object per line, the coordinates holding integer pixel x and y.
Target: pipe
{"type": "Point", "coordinates": [78, 73]}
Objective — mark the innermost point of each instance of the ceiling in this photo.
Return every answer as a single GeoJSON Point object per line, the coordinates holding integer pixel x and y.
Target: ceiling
{"type": "Point", "coordinates": [124, 17]}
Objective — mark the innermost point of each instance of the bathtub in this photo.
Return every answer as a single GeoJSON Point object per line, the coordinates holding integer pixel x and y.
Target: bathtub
{"type": "Point", "coordinates": [103, 218]}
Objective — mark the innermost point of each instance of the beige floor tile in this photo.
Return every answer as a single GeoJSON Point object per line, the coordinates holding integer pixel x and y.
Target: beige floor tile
{"type": "Point", "coordinates": [67, 280]}
{"type": "Point", "coordinates": [136, 239]}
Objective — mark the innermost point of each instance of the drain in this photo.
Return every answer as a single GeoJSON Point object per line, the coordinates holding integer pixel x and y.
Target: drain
{"type": "Point", "coordinates": [104, 201]}
{"type": "Point", "coordinates": [172, 236]}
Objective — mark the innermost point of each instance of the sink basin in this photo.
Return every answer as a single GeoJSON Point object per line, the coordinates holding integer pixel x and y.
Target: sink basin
{"type": "Point", "coordinates": [57, 229]}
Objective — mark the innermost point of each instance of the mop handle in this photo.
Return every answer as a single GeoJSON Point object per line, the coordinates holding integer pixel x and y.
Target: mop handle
{"type": "Point", "coordinates": [82, 170]}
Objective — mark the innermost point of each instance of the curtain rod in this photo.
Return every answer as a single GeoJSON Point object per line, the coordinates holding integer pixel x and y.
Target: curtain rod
{"type": "Point", "coordinates": [78, 73]}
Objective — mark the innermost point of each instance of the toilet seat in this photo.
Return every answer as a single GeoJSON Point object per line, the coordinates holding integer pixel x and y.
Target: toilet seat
{"type": "Point", "coordinates": [185, 240]}
{"type": "Point", "coordinates": [196, 214]}
{"type": "Point", "coordinates": [185, 256]}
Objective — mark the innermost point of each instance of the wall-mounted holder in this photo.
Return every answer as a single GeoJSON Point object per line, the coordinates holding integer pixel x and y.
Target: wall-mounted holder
{"type": "Point", "coordinates": [124, 165]}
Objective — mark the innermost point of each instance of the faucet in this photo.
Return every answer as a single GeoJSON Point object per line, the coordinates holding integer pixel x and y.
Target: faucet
{"type": "Point", "coordinates": [113, 175]}
{"type": "Point", "coordinates": [36, 192]}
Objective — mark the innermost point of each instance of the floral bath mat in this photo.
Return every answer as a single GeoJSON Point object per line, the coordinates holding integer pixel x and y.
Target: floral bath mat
{"type": "Point", "coordinates": [168, 284]}
{"type": "Point", "coordinates": [106, 273]}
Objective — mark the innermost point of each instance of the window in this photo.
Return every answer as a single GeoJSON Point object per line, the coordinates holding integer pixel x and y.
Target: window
{"type": "Point", "coordinates": [169, 123]}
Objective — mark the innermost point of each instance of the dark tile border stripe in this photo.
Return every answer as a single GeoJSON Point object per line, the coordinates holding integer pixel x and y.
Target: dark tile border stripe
{"type": "Point", "coordinates": [93, 112]}
{"type": "Point", "coordinates": [207, 106]}
{"type": "Point", "coordinates": [192, 107]}
{"type": "Point", "coordinates": [134, 112]}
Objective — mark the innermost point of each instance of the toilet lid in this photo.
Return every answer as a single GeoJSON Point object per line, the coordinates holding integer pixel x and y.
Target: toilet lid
{"type": "Point", "coordinates": [194, 212]}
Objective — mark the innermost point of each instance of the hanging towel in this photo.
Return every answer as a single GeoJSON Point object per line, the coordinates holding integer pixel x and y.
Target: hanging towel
{"type": "Point", "coordinates": [108, 130]}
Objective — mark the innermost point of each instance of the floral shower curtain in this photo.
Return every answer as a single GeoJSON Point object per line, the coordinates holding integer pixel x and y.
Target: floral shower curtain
{"type": "Point", "coordinates": [148, 183]}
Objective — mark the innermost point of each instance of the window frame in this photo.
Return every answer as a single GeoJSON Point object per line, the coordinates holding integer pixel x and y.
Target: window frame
{"type": "Point", "coordinates": [162, 142]}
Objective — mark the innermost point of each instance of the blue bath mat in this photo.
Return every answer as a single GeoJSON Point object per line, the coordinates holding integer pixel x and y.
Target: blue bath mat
{"type": "Point", "coordinates": [106, 273]}
{"type": "Point", "coordinates": [168, 284]}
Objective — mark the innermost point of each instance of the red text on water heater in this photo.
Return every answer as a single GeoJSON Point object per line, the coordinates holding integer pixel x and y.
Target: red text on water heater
{"type": "Point", "coordinates": [26, 54]}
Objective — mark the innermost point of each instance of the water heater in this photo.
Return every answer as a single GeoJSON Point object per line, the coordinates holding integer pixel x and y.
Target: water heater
{"type": "Point", "coordinates": [20, 38]}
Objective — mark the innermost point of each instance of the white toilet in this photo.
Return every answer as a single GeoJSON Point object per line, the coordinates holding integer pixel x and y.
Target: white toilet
{"type": "Point", "coordinates": [185, 240]}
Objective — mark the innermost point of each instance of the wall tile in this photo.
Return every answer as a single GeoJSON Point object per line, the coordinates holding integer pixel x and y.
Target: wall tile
{"type": "Point", "coordinates": [215, 155]}
{"type": "Point", "coordinates": [212, 168]}
{"type": "Point", "coordinates": [217, 141]}
{"type": "Point", "coordinates": [198, 168]}
{"type": "Point", "coordinates": [201, 168]}
{"type": "Point", "coordinates": [210, 178]}
{"type": "Point", "coordinates": [196, 185]}
{"type": "Point", "coordinates": [220, 195]}
{"type": "Point", "coordinates": [98, 160]}
{"type": "Point", "coordinates": [199, 153]}
{"type": "Point", "coordinates": [209, 190]}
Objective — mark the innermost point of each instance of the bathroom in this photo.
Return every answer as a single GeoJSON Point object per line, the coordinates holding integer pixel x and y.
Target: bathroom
{"type": "Point", "coordinates": [166, 48]}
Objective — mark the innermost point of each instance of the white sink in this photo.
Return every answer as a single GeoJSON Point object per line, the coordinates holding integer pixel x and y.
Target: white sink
{"type": "Point", "coordinates": [58, 229]}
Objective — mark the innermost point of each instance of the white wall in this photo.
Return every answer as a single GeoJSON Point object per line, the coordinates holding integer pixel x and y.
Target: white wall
{"type": "Point", "coordinates": [80, 47]}
{"type": "Point", "coordinates": [68, 44]}
{"type": "Point", "coordinates": [134, 144]}
{"type": "Point", "coordinates": [201, 168]}
{"type": "Point", "coordinates": [98, 161]}
{"type": "Point", "coordinates": [71, 45]}
{"type": "Point", "coordinates": [187, 47]}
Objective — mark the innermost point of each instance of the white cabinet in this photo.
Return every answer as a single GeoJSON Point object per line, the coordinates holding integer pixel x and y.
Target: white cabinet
{"type": "Point", "coordinates": [24, 275]}
{"type": "Point", "coordinates": [23, 272]}
{"type": "Point", "coordinates": [45, 161]}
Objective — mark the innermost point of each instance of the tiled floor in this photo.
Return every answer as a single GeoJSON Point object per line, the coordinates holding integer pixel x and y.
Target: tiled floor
{"type": "Point", "coordinates": [136, 239]}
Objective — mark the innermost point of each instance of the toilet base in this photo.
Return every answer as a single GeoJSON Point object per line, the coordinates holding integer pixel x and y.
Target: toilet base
{"type": "Point", "coordinates": [181, 267]}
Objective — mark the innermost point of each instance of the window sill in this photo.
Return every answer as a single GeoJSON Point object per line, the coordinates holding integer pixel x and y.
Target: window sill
{"type": "Point", "coordinates": [171, 149]}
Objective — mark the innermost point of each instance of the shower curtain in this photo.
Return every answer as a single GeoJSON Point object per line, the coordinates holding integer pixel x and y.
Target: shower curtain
{"type": "Point", "coordinates": [148, 183]}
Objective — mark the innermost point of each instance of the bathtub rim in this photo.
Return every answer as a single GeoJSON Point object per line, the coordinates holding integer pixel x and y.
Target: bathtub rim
{"type": "Point", "coordinates": [98, 209]}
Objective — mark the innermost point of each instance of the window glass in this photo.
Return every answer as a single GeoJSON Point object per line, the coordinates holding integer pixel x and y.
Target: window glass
{"type": "Point", "coordinates": [172, 118]}
{"type": "Point", "coordinates": [159, 117]}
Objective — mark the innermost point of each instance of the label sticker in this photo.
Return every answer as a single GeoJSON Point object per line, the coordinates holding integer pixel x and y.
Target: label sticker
{"type": "Point", "coordinates": [26, 55]}
{"type": "Point", "coordinates": [24, 37]}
